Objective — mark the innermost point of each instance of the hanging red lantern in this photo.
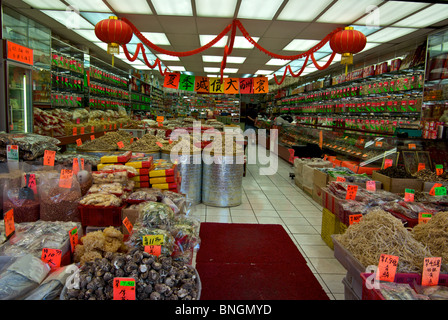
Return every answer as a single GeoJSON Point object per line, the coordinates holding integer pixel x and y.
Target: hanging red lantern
{"type": "Point", "coordinates": [348, 42]}
{"type": "Point", "coordinates": [114, 32]}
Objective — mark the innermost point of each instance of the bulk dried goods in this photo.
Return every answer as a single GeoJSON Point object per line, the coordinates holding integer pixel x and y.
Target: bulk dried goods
{"type": "Point", "coordinates": [31, 146]}
{"type": "Point", "coordinates": [396, 172]}
{"type": "Point", "coordinates": [25, 210]}
{"type": "Point", "coordinates": [429, 176]}
{"type": "Point", "coordinates": [101, 199]}
{"type": "Point", "coordinates": [108, 142]}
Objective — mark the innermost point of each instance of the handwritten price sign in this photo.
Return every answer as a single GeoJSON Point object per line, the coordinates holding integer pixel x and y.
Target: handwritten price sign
{"type": "Point", "coordinates": [351, 192]}
{"type": "Point", "coordinates": [431, 271]}
{"type": "Point", "coordinates": [387, 267]}
{"type": "Point", "coordinates": [124, 289]}
{"type": "Point", "coordinates": [52, 256]}
{"type": "Point", "coordinates": [49, 157]}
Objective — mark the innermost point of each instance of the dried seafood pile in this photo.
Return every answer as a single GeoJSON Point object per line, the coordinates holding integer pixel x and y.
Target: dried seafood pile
{"type": "Point", "coordinates": [108, 142]}
{"type": "Point", "coordinates": [378, 233]}
{"type": "Point", "coordinates": [31, 146]}
{"type": "Point", "coordinates": [429, 176]}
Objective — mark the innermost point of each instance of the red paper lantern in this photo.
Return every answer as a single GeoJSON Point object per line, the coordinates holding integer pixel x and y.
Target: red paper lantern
{"type": "Point", "coordinates": [114, 32]}
{"type": "Point", "coordinates": [348, 42]}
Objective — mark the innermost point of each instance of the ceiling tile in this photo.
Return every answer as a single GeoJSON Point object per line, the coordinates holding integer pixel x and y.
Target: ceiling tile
{"type": "Point", "coordinates": [299, 10]}
{"type": "Point", "coordinates": [173, 7]}
{"type": "Point", "coordinates": [144, 23]}
{"type": "Point", "coordinates": [347, 11]}
{"type": "Point", "coordinates": [255, 28]}
{"type": "Point", "coordinates": [274, 45]}
{"type": "Point", "coordinates": [211, 26]}
{"type": "Point", "coordinates": [285, 29]}
{"type": "Point", "coordinates": [215, 8]}
{"type": "Point", "coordinates": [318, 31]}
{"type": "Point", "coordinates": [180, 25]}
{"type": "Point", "coordinates": [258, 9]}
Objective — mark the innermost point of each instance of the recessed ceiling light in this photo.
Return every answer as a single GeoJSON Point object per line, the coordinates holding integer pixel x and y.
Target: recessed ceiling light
{"type": "Point", "coordinates": [212, 76]}
{"type": "Point", "coordinates": [167, 57]}
{"type": "Point", "coordinates": [173, 7]}
{"type": "Point", "coordinates": [277, 62]}
{"type": "Point", "coordinates": [389, 34]}
{"type": "Point", "coordinates": [230, 70]}
{"type": "Point", "coordinates": [370, 45]}
{"type": "Point", "coordinates": [134, 6]}
{"type": "Point", "coordinates": [300, 45]}
{"type": "Point", "coordinates": [215, 8]}
{"type": "Point", "coordinates": [70, 19]}
{"type": "Point", "coordinates": [46, 4]}
{"type": "Point", "coordinates": [145, 67]}
{"type": "Point", "coordinates": [390, 12]}
{"type": "Point", "coordinates": [176, 68]}
{"type": "Point", "coordinates": [258, 9]}
{"type": "Point", "coordinates": [157, 38]}
{"type": "Point", "coordinates": [211, 69]}
{"type": "Point", "coordinates": [89, 5]}
{"type": "Point", "coordinates": [299, 10]}
{"type": "Point", "coordinates": [235, 60]}
{"type": "Point", "coordinates": [264, 72]}
{"type": "Point", "coordinates": [347, 11]}
{"type": "Point", "coordinates": [426, 17]}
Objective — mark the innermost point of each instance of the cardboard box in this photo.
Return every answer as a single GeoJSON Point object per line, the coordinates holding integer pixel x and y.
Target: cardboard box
{"type": "Point", "coordinates": [308, 191]}
{"type": "Point", "coordinates": [317, 194]}
{"type": "Point", "coordinates": [396, 185]}
{"type": "Point", "coordinates": [132, 215]}
{"type": "Point", "coordinates": [320, 178]}
{"type": "Point", "coordinates": [298, 183]}
{"type": "Point", "coordinates": [378, 184]}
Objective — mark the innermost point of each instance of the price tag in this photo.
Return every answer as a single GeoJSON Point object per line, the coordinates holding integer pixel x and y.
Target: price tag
{"type": "Point", "coordinates": [73, 235]}
{"type": "Point", "coordinates": [124, 289]}
{"type": "Point", "coordinates": [371, 185]}
{"type": "Point", "coordinates": [8, 219]}
{"type": "Point", "coordinates": [115, 126]}
{"type": "Point", "coordinates": [92, 129]}
{"type": "Point", "coordinates": [351, 192]}
{"type": "Point", "coordinates": [128, 224]}
{"type": "Point", "coordinates": [30, 181]}
{"type": "Point", "coordinates": [110, 127]}
{"type": "Point", "coordinates": [440, 191]}
{"type": "Point", "coordinates": [433, 189]}
{"type": "Point", "coordinates": [160, 124]}
{"type": "Point", "coordinates": [170, 141]}
{"type": "Point", "coordinates": [354, 218]}
{"type": "Point", "coordinates": [92, 137]}
{"type": "Point", "coordinates": [75, 167]}
{"type": "Point", "coordinates": [424, 217]}
{"type": "Point", "coordinates": [132, 140]}
{"type": "Point", "coordinates": [12, 152]}
{"type": "Point", "coordinates": [75, 131]}
{"type": "Point", "coordinates": [412, 146]}
{"type": "Point", "coordinates": [153, 240]}
{"type": "Point", "coordinates": [49, 156]}
{"type": "Point", "coordinates": [52, 256]}
{"type": "Point", "coordinates": [159, 144]}
{"type": "Point", "coordinates": [154, 250]}
{"type": "Point", "coordinates": [291, 155]}
{"type": "Point", "coordinates": [78, 142]}
{"type": "Point", "coordinates": [65, 180]}
{"type": "Point", "coordinates": [379, 144]}
{"type": "Point", "coordinates": [388, 163]}
{"type": "Point", "coordinates": [409, 195]}
{"type": "Point", "coordinates": [387, 267]}
{"type": "Point", "coordinates": [439, 169]}
{"type": "Point", "coordinates": [160, 118]}
{"type": "Point", "coordinates": [431, 271]}
{"type": "Point", "coordinates": [120, 144]}
{"type": "Point", "coordinates": [82, 130]}
{"type": "Point", "coordinates": [340, 179]}
{"type": "Point", "coordinates": [421, 166]}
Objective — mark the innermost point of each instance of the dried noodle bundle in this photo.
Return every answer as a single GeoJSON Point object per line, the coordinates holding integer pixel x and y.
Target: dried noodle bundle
{"type": "Point", "coordinates": [378, 233]}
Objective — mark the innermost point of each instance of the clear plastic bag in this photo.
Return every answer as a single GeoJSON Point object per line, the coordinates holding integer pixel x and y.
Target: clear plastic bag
{"type": "Point", "coordinates": [101, 199]}
{"type": "Point", "coordinates": [185, 231]}
{"type": "Point", "coordinates": [138, 232]}
{"type": "Point", "coordinates": [25, 209]}
{"type": "Point", "coordinates": [155, 215]}
{"type": "Point", "coordinates": [140, 196]}
{"type": "Point", "coordinates": [110, 176]}
{"type": "Point", "coordinates": [52, 286]}
{"type": "Point", "coordinates": [114, 188]}
{"type": "Point", "coordinates": [178, 199]}
{"type": "Point", "coordinates": [31, 146]}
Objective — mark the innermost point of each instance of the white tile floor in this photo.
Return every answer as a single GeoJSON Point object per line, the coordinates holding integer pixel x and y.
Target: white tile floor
{"type": "Point", "coordinates": [275, 199]}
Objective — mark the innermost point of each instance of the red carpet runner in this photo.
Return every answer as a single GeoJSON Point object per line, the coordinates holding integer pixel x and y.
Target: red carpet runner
{"type": "Point", "coordinates": [253, 262]}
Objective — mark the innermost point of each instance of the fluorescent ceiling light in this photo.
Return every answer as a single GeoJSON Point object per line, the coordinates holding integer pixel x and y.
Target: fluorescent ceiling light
{"type": "Point", "coordinates": [136, 62]}
{"type": "Point", "coordinates": [167, 57]}
{"type": "Point", "coordinates": [246, 75]}
{"type": "Point", "coordinates": [211, 69]}
{"type": "Point", "coordinates": [156, 38]}
{"type": "Point", "coordinates": [336, 58]}
{"type": "Point", "coordinates": [300, 45]}
{"type": "Point", "coordinates": [46, 4]}
{"type": "Point", "coordinates": [188, 73]}
{"type": "Point", "coordinates": [264, 72]}
{"type": "Point", "coordinates": [70, 19]}
{"type": "Point", "coordinates": [89, 5]}
{"type": "Point", "coordinates": [173, 7]}
{"type": "Point", "coordinates": [299, 10]}
{"type": "Point", "coordinates": [370, 45]}
{"type": "Point", "coordinates": [240, 42]}
{"type": "Point", "coordinates": [426, 17]}
{"type": "Point", "coordinates": [215, 8]}
{"type": "Point", "coordinates": [89, 35]}
{"type": "Point", "coordinates": [212, 75]}
{"type": "Point", "coordinates": [95, 17]}
{"type": "Point", "coordinates": [134, 6]}
{"type": "Point", "coordinates": [176, 68]}
{"type": "Point", "coordinates": [230, 70]}
{"type": "Point", "coordinates": [145, 67]}
{"type": "Point", "coordinates": [390, 12]}
{"type": "Point", "coordinates": [276, 62]}
{"type": "Point", "coordinates": [258, 9]}
{"type": "Point", "coordinates": [366, 30]}
{"type": "Point", "coordinates": [347, 11]}
{"type": "Point", "coordinates": [389, 34]}
{"type": "Point", "coordinates": [235, 60]}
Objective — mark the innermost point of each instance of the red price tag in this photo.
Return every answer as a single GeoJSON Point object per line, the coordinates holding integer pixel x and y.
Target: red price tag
{"type": "Point", "coordinates": [92, 137]}
{"type": "Point", "coordinates": [340, 179]}
{"type": "Point", "coordinates": [291, 155]}
{"type": "Point", "coordinates": [412, 146]}
{"type": "Point", "coordinates": [75, 166]}
{"type": "Point", "coordinates": [49, 156]}
{"type": "Point", "coordinates": [75, 131]}
{"type": "Point", "coordinates": [78, 142]}
{"type": "Point", "coordinates": [351, 192]}
{"type": "Point", "coordinates": [73, 234]}
{"type": "Point", "coordinates": [371, 185]}
{"type": "Point", "coordinates": [431, 271]}
{"type": "Point", "coordinates": [8, 219]}
{"type": "Point", "coordinates": [388, 163]}
{"type": "Point", "coordinates": [30, 180]}
{"type": "Point", "coordinates": [159, 144]}
{"type": "Point", "coordinates": [92, 129]}
{"type": "Point", "coordinates": [120, 144]}
{"type": "Point", "coordinates": [433, 189]}
{"type": "Point", "coordinates": [65, 180]}
{"type": "Point", "coordinates": [421, 166]}
{"type": "Point", "coordinates": [379, 144]}
{"type": "Point", "coordinates": [409, 195]}
{"type": "Point", "coordinates": [52, 256]}
{"type": "Point", "coordinates": [124, 289]}
{"type": "Point", "coordinates": [354, 218]}
{"type": "Point", "coordinates": [387, 267]}
{"type": "Point", "coordinates": [110, 127]}
{"type": "Point", "coordinates": [424, 217]}
{"type": "Point", "coordinates": [154, 250]}
{"type": "Point", "coordinates": [128, 224]}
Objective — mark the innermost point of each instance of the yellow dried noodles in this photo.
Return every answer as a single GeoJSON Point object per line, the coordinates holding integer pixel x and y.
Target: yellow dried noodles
{"type": "Point", "coordinates": [378, 233]}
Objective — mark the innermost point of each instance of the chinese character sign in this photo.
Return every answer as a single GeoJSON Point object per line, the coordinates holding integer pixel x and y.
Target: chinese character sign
{"type": "Point", "coordinates": [246, 85]}
{"type": "Point", "coordinates": [186, 82]}
{"type": "Point", "coordinates": [201, 85]}
{"type": "Point", "coordinates": [261, 85]}
{"type": "Point", "coordinates": [231, 85]}
{"type": "Point", "coordinates": [172, 80]}
{"type": "Point", "coordinates": [215, 85]}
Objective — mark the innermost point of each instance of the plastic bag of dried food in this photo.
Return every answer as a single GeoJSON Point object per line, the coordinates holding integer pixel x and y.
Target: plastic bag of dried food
{"type": "Point", "coordinates": [21, 275]}
{"type": "Point", "coordinates": [171, 204]}
{"type": "Point", "coordinates": [433, 292]}
{"type": "Point", "coordinates": [132, 172]}
{"type": "Point", "coordinates": [155, 215]}
{"type": "Point", "coordinates": [185, 231]}
{"type": "Point", "coordinates": [59, 203]}
{"type": "Point", "coordinates": [114, 188]}
{"type": "Point", "coordinates": [140, 196]}
{"type": "Point", "coordinates": [12, 179]}
{"type": "Point", "coordinates": [101, 199]}
{"type": "Point", "coordinates": [139, 232]}
{"type": "Point", "coordinates": [178, 199]}
{"type": "Point", "coordinates": [31, 146]}
{"type": "Point", "coordinates": [24, 202]}
{"type": "Point", "coordinates": [52, 286]}
{"type": "Point", "coordinates": [110, 176]}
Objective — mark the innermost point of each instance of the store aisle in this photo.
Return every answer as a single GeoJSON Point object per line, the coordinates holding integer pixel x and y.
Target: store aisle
{"type": "Point", "coordinates": [275, 199]}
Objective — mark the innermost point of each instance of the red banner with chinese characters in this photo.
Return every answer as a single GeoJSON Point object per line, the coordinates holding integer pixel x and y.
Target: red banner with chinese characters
{"type": "Point", "coordinates": [258, 85]}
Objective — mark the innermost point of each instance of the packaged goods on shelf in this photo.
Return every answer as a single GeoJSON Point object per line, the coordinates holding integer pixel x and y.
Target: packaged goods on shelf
{"type": "Point", "coordinates": [140, 163]}
{"type": "Point", "coordinates": [30, 146]}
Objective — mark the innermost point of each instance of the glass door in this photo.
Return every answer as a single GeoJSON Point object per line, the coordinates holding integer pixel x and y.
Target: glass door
{"type": "Point", "coordinates": [20, 113]}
